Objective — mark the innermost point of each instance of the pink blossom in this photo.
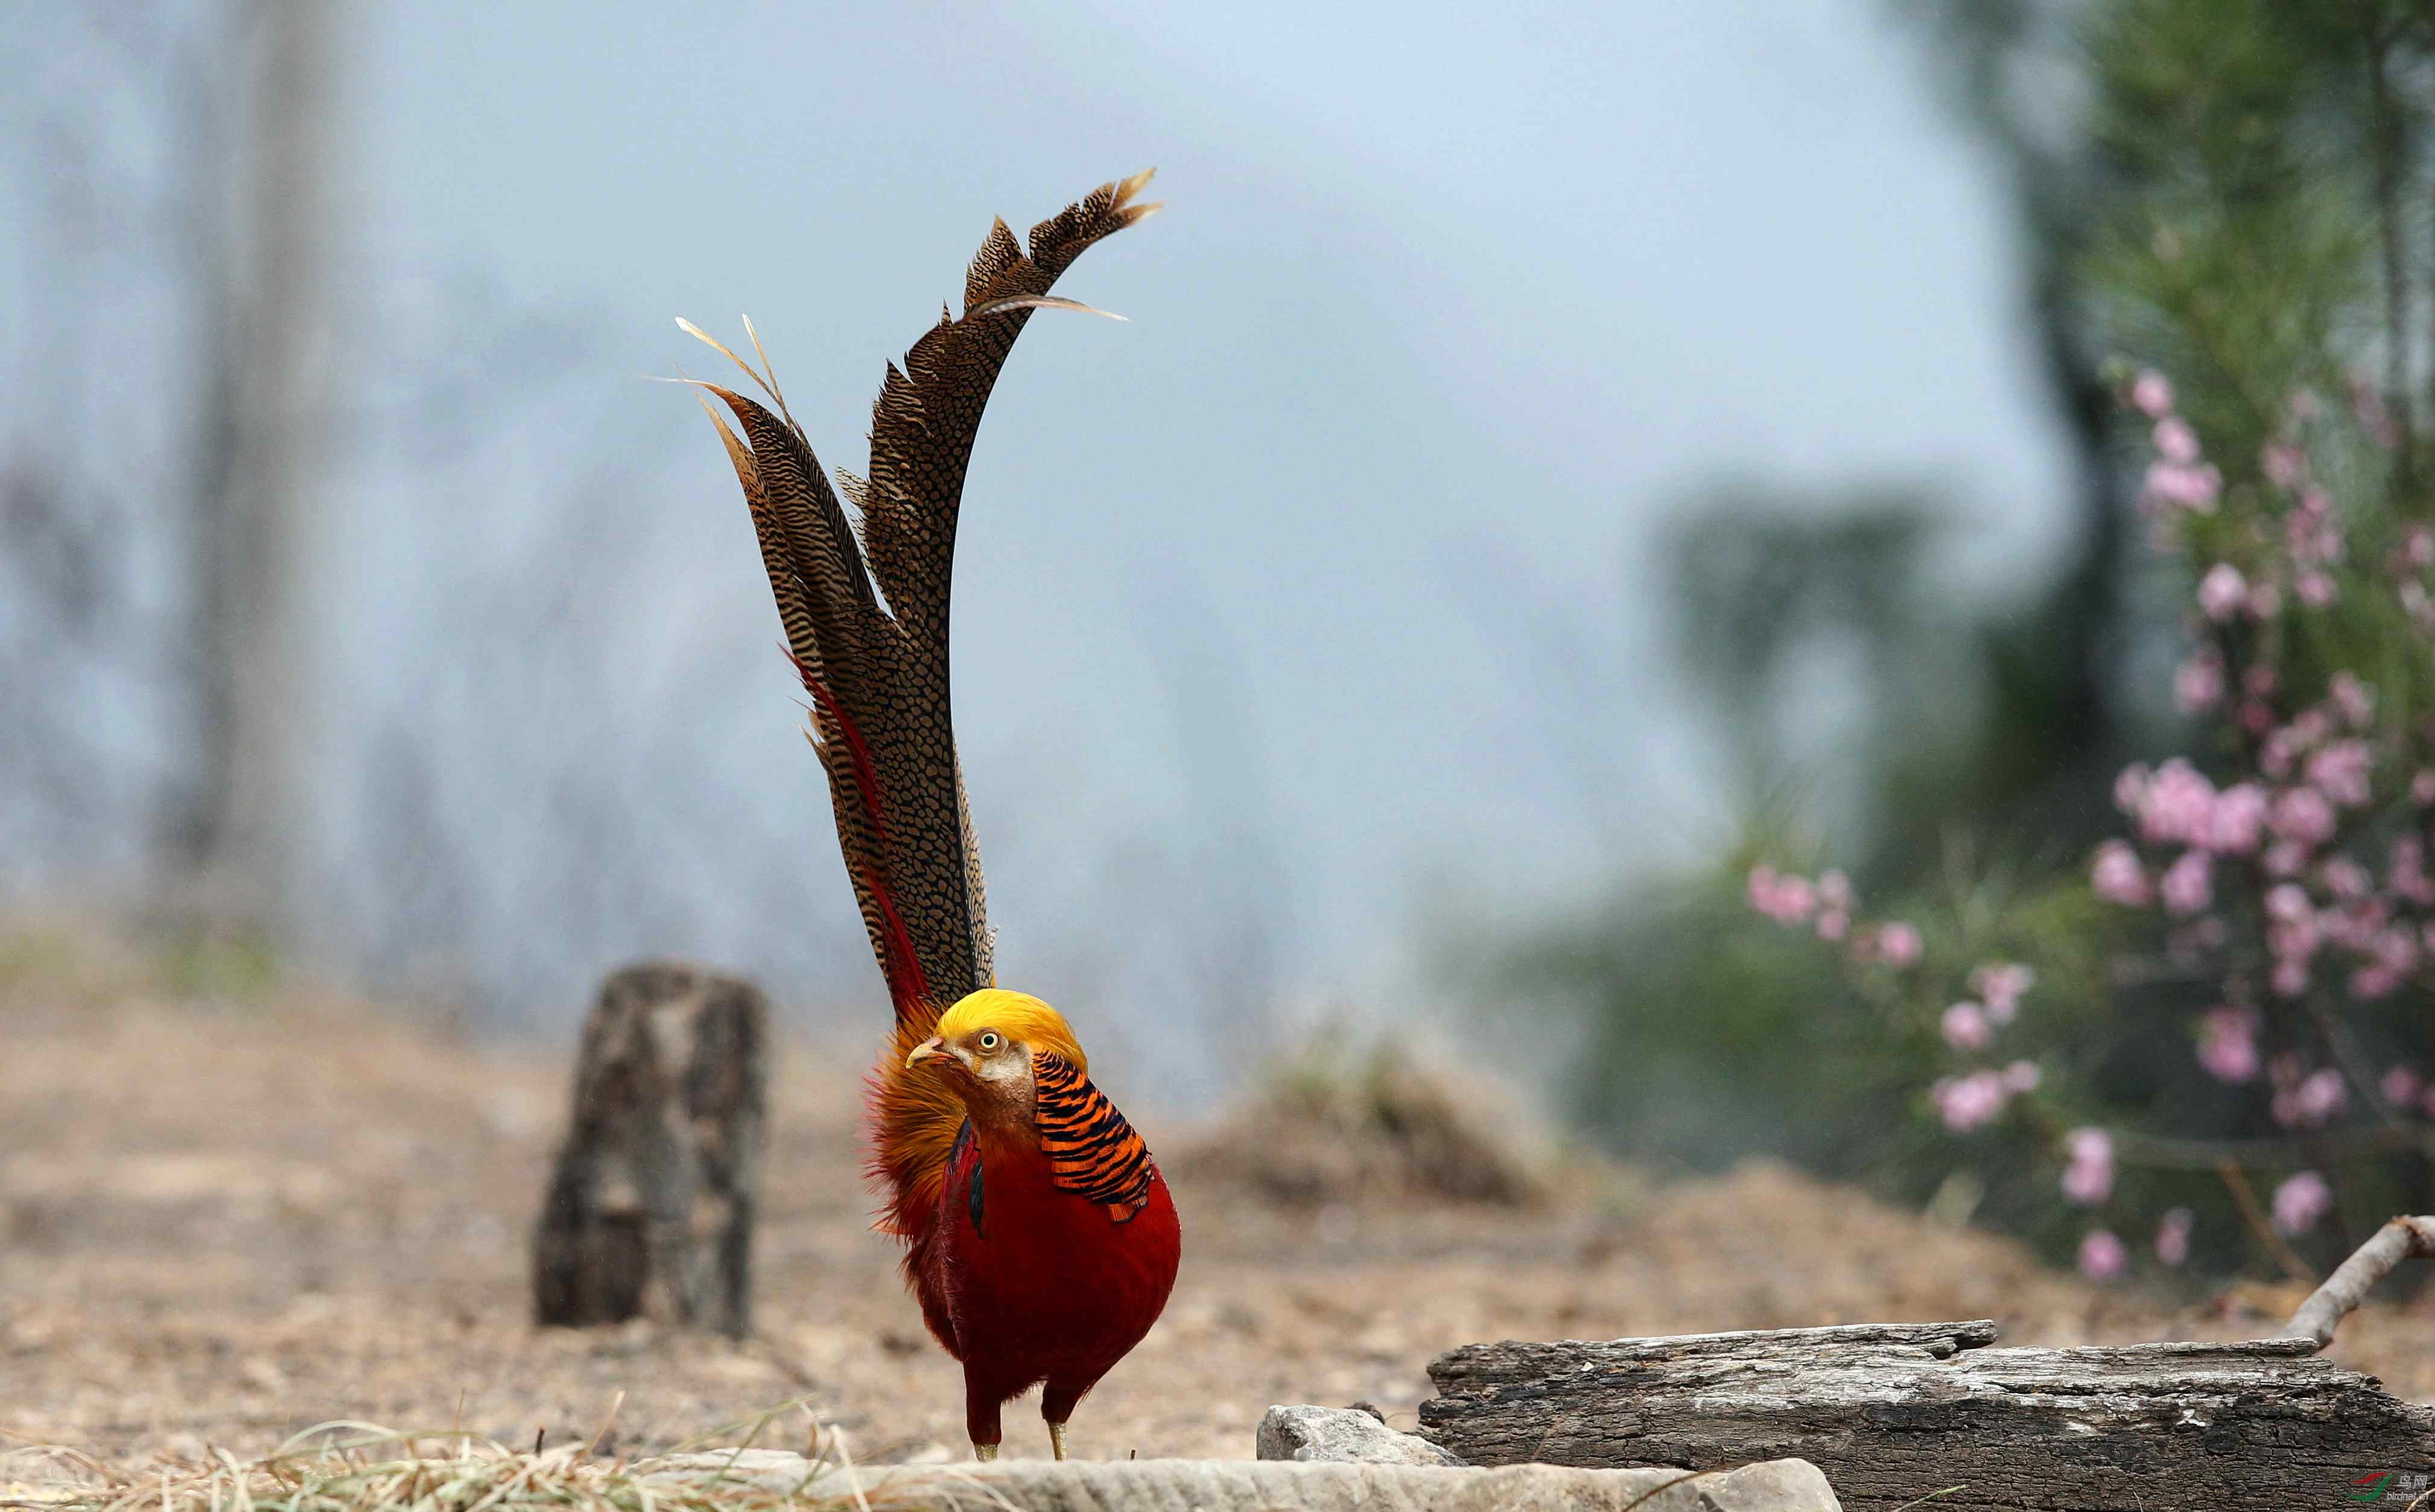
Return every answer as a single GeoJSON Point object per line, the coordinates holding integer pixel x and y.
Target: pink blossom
{"type": "Point", "coordinates": [2422, 789]}
{"type": "Point", "coordinates": [2308, 532]}
{"type": "Point", "coordinates": [2116, 876]}
{"type": "Point", "coordinates": [2406, 872]}
{"type": "Point", "coordinates": [2369, 983]}
{"type": "Point", "coordinates": [2418, 546]}
{"type": "Point", "coordinates": [1784, 898]}
{"type": "Point", "coordinates": [2353, 698]}
{"type": "Point", "coordinates": [1898, 942]}
{"type": "Point", "coordinates": [2320, 1095]}
{"type": "Point", "coordinates": [2193, 488]}
{"type": "Point", "coordinates": [2282, 464]}
{"type": "Point", "coordinates": [2222, 592]}
{"type": "Point", "coordinates": [2396, 950]}
{"type": "Point", "coordinates": [1833, 924]}
{"type": "Point", "coordinates": [1794, 900]}
{"type": "Point", "coordinates": [2302, 815]}
{"type": "Point", "coordinates": [2256, 718]}
{"type": "Point", "coordinates": [2401, 1087]}
{"type": "Point", "coordinates": [2315, 588]}
{"type": "Point", "coordinates": [2341, 770]}
{"type": "Point", "coordinates": [2179, 804]}
{"type": "Point", "coordinates": [2152, 394]}
{"type": "Point", "coordinates": [2234, 818]}
{"type": "Point", "coordinates": [2353, 926]}
{"type": "Point", "coordinates": [2265, 599]}
{"type": "Point", "coordinates": [2288, 903]}
{"type": "Point", "coordinates": [2176, 442]}
{"type": "Point", "coordinates": [2088, 1179]}
{"type": "Point", "coordinates": [2286, 857]}
{"type": "Point", "coordinates": [2258, 681]}
{"type": "Point", "coordinates": [2021, 1076]}
{"type": "Point", "coordinates": [2197, 684]}
{"type": "Point", "coordinates": [1835, 890]}
{"type": "Point", "coordinates": [1965, 1026]}
{"type": "Point", "coordinates": [2295, 940]}
{"type": "Point", "coordinates": [2087, 1185]}
{"type": "Point", "coordinates": [2185, 886]}
{"type": "Point", "coordinates": [2000, 985]}
{"type": "Point", "coordinates": [2102, 1255]}
{"type": "Point", "coordinates": [2290, 977]}
{"type": "Point", "coordinates": [2302, 1202]}
{"type": "Point", "coordinates": [1965, 1103]}
{"type": "Point", "coordinates": [2228, 1044]}
{"type": "Point", "coordinates": [2131, 787]}
{"type": "Point", "coordinates": [2173, 1236]}
{"type": "Point", "coordinates": [2346, 879]}
{"type": "Point", "coordinates": [2281, 748]}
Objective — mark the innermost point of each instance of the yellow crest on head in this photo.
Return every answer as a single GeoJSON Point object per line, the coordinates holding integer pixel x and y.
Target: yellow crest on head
{"type": "Point", "coordinates": [1019, 1017]}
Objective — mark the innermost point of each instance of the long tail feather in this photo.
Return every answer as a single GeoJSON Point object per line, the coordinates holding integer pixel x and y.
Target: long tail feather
{"type": "Point", "coordinates": [866, 617]}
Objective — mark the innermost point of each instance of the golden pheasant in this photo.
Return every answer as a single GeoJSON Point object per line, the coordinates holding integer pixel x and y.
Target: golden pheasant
{"type": "Point", "coordinates": [1039, 1236]}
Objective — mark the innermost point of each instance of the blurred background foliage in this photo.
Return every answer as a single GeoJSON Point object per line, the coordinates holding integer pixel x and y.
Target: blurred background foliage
{"type": "Point", "coordinates": [2239, 192]}
{"type": "Point", "coordinates": [556, 766]}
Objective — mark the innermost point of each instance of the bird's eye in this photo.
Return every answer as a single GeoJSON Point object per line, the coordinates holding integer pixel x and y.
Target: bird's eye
{"type": "Point", "coordinates": [989, 1041]}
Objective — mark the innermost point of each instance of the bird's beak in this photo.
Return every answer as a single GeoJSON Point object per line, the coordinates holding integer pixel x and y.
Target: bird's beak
{"type": "Point", "coordinates": [933, 1049]}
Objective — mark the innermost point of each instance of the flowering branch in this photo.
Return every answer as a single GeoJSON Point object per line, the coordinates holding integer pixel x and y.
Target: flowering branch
{"type": "Point", "coordinates": [2270, 1237]}
{"type": "Point", "coordinates": [2164, 1153]}
{"type": "Point", "coordinates": [2287, 869]}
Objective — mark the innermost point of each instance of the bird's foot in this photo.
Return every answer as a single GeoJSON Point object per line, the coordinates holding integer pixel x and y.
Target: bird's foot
{"type": "Point", "coordinates": [1056, 1439]}
{"type": "Point", "coordinates": [984, 1452]}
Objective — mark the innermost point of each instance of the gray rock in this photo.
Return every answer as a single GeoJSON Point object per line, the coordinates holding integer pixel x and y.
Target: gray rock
{"type": "Point", "coordinates": [1343, 1434]}
{"type": "Point", "coordinates": [1265, 1485]}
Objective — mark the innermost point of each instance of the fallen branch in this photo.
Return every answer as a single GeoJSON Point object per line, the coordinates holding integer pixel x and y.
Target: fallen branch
{"type": "Point", "coordinates": [2400, 1239]}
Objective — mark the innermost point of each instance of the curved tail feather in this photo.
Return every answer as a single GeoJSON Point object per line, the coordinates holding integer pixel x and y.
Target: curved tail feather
{"type": "Point", "coordinates": [866, 618]}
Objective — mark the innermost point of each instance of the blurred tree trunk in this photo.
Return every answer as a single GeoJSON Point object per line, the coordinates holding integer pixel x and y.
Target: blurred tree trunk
{"type": "Point", "coordinates": [234, 827]}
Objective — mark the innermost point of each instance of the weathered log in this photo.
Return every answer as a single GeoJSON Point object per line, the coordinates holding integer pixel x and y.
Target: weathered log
{"type": "Point", "coordinates": [1238, 1485]}
{"type": "Point", "coordinates": [1896, 1413]}
{"type": "Point", "coordinates": [650, 1204]}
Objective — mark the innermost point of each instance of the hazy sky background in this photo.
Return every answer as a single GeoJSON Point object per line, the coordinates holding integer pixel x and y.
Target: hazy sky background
{"type": "Point", "coordinates": [1449, 302]}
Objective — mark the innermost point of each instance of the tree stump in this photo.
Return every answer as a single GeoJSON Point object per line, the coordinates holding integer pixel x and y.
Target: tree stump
{"type": "Point", "coordinates": [650, 1205]}
{"type": "Point", "coordinates": [1897, 1413]}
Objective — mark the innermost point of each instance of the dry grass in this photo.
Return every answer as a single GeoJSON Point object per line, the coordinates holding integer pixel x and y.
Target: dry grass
{"type": "Point", "coordinates": [349, 1467]}
{"type": "Point", "coordinates": [1347, 1117]}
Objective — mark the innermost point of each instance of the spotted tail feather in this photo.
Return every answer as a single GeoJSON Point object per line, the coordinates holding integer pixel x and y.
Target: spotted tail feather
{"type": "Point", "coordinates": [865, 612]}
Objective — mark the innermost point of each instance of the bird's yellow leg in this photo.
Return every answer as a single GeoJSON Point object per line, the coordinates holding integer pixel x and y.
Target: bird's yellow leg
{"type": "Point", "coordinates": [984, 1452]}
{"type": "Point", "coordinates": [1056, 1439]}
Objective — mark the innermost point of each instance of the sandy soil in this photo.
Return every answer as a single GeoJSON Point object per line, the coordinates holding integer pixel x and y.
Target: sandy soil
{"type": "Point", "coordinates": [223, 1225]}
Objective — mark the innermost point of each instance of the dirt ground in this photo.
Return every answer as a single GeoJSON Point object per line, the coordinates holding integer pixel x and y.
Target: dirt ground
{"type": "Point", "coordinates": [221, 1225]}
